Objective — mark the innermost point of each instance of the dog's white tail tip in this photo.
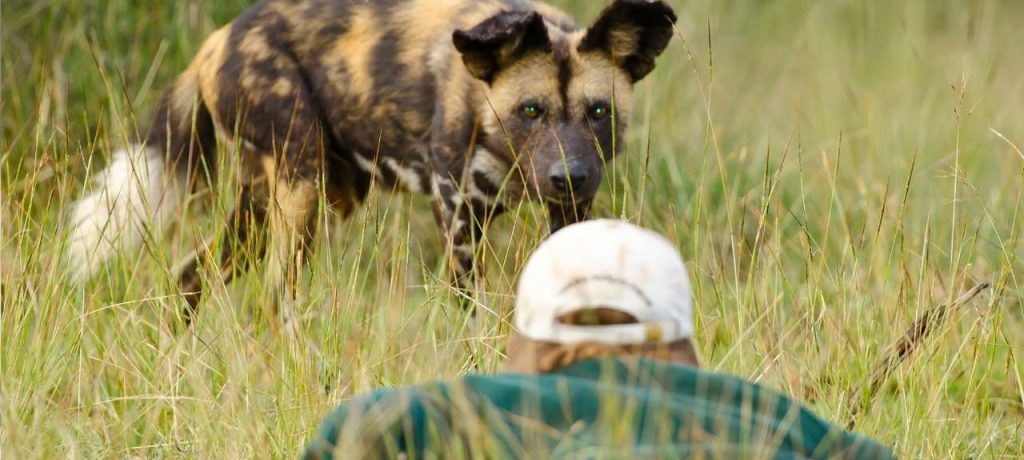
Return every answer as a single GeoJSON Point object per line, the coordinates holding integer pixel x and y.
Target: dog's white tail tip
{"type": "Point", "coordinates": [133, 196]}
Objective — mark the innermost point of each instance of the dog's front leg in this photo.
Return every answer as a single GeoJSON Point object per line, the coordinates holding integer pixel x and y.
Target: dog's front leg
{"type": "Point", "coordinates": [461, 215]}
{"type": "Point", "coordinates": [460, 230]}
{"type": "Point", "coordinates": [567, 214]}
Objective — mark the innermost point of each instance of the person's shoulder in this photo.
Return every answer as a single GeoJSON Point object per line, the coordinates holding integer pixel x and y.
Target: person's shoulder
{"type": "Point", "coordinates": [437, 417]}
{"type": "Point", "coordinates": [726, 401]}
{"type": "Point", "coordinates": [373, 421]}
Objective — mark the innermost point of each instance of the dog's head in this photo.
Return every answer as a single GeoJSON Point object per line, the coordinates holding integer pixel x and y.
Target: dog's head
{"type": "Point", "coordinates": [557, 99]}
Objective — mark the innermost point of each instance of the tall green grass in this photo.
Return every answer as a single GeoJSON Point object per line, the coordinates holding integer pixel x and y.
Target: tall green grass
{"type": "Point", "coordinates": [829, 169]}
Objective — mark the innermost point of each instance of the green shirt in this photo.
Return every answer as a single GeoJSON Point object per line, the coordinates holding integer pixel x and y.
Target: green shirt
{"type": "Point", "coordinates": [592, 409]}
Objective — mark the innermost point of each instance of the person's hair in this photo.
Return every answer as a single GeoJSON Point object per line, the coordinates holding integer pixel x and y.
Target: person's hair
{"type": "Point", "coordinates": [526, 355]}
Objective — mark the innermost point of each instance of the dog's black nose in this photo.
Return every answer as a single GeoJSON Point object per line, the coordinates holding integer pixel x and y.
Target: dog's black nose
{"type": "Point", "coordinates": [568, 177]}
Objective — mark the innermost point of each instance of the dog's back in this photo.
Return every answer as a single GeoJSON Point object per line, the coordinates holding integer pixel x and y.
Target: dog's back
{"type": "Point", "coordinates": [373, 68]}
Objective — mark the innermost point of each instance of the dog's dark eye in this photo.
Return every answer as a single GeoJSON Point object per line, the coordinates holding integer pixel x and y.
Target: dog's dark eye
{"type": "Point", "coordinates": [531, 110]}
{"type": "Point", "coordinates": [599, 111]}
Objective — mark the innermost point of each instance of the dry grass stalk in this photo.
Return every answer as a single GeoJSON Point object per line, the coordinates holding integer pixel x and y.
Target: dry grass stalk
{"type": "Point", "coordinates": [902, 349]}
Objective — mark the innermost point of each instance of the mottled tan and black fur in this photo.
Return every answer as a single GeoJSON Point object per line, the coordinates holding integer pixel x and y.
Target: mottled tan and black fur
{"type": "Point", "coordinates": [476, 102]}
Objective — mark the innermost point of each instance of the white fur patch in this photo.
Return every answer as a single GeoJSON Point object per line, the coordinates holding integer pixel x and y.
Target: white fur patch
{"type": "Point", "coordinates": [406, 175]}
{"type": "Point", "coordinates": [367, 165]}
{"type": "Point", "coordinates": [492, 168]}
{"type": "Point", "coordinates": [133, 197]}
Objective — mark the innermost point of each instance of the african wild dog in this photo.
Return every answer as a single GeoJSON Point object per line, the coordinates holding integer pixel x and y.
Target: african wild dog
{"type": "Point", "coordinates": [477, 102]}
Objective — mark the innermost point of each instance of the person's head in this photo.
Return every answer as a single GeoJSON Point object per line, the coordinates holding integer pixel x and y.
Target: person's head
{"type": "Point", "coordinates": [599, 289]}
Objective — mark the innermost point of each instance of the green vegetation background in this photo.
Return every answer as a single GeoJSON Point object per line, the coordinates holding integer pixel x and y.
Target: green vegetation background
{"type": "Point", "coordinates": [829, 169]}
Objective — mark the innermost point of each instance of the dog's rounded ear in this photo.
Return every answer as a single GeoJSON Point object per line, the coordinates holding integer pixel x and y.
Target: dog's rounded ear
{"type": "Point", "coordinates": [633, 33]}
{"type": "Point", "coordinates": [500, 40]}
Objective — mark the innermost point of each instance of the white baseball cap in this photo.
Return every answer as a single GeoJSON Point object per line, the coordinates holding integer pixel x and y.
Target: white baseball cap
{"type": "Point", "coordinates": [605, 264]}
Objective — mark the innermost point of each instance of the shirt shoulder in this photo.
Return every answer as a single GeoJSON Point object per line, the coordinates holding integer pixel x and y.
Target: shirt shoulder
{"type": "Point", "coordinates": [380, 423]}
